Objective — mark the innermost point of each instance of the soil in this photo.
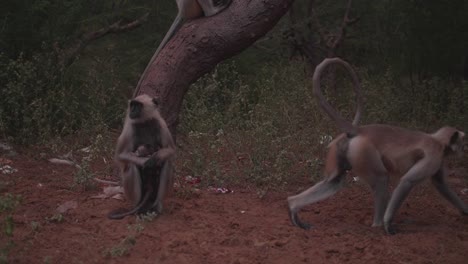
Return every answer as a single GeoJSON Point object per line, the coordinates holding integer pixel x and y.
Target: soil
{"type": "Point", "coordinates": [238, 227]}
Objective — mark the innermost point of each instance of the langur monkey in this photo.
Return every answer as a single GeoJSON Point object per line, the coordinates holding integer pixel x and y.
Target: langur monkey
{"type": "Point", "coordinates": [376, 151]}
{"type": "Point", "coordinates": [144, 153]}
{"type": "Point", "coordinates": [188, 9]}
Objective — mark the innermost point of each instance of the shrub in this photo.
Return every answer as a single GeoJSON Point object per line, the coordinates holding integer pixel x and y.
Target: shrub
{"type": "Point", "coordinates": [40, 100]}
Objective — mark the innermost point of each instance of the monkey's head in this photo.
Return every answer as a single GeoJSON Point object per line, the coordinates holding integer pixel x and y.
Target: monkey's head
{"type": "Point", "coordinates": [452, 138]}
{"type": "Point", "coordinates": [144, 150]}
{"type": "Point", "coordinates": [142, 108]}
{"type": "Point", "coordinates": [457, 142]}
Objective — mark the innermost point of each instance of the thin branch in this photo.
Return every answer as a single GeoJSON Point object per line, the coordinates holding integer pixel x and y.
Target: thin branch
{"type": "Point", "coordinates": [115, 28]}
{"type": "Point", "coordinates": [316, 21]}
{"type": "Point", "coordinates": [333, 41]}
{"type": "Point", "coordinates": [342, 30]}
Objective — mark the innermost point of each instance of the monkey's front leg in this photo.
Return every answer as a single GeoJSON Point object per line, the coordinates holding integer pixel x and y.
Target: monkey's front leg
{"type": "Point", "coordinates": [441, 185]}
{"type": "Point", "coordinates": [415, 175]}
{"type": "Point", "coordinates": [164, 181]}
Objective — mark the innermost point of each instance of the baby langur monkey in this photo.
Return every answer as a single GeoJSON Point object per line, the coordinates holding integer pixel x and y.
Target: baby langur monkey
{"type": "Point", "coordinates": [376, 151]}
{"type": "Point", "coordinates": [188, 9]}
{"type": "Point", "coordinates": [144, 153]}
{"type": "Point", "coordinates": [149, 177]}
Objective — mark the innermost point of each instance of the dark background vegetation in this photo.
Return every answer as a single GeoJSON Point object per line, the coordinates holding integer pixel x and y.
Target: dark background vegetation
{"type": "Point", "coordinates": [254, 116]}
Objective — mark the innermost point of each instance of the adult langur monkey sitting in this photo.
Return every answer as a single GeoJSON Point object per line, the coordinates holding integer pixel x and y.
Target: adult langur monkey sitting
{"type": "Point", "coordinates": [375, 151]}
{"type": "Point", "coordinates": [188, 9]}
{"type": "Point", "coordinates": [144, 133]}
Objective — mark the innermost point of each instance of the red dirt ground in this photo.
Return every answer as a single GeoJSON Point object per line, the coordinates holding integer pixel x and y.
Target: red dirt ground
{"type": "Point", "coordinates": [227, 228]}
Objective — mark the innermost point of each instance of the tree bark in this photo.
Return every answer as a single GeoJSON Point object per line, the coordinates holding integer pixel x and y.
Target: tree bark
{"type": "Point", "coordinates": [201, 44]}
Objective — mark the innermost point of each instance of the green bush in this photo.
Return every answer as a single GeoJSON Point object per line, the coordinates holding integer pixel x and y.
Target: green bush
{"type": "Point", "coordinates": [425, 105]}
{"type": "Point", "coordinates": [40, 100]}
{"type": "Point", "coordinates": [263, 132]}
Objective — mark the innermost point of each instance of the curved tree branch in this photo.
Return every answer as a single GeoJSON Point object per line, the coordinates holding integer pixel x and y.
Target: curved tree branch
{"type": "Point", "coordinates": [202, 43]}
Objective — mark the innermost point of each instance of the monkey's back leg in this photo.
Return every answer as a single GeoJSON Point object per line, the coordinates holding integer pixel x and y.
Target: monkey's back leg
{"type": "Point", "coordinates": [335, 172]}
{"type": "Point", "coordinates": [131, 182]}
{"type": "Point", "coordinates": [150, 181]}
{"type": "Point", "coordinates": [369, 165]}
{"type": "Point", "coordinates": [165, 181]}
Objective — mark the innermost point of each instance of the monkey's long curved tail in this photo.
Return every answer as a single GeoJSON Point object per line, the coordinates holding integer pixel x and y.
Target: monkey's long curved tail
{"type": "Point", "coordinates": [119, 214]}
{"type": "Point", "coordinates": [175, 25]}
{"type": "Point", "coordinates": [349, 128]}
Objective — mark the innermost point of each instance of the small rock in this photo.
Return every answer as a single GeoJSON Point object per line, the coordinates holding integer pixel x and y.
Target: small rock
{"type": "Point", "coordinates": [63, 208]}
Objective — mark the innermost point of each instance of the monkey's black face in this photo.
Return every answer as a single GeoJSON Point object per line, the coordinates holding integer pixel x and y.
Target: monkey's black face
{"type": "Point", "coordinates": [136, 108]}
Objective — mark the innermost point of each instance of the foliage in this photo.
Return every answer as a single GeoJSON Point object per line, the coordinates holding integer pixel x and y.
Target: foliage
{"type": "Point", "coordinates": [38, 100]}
{"type": "Point", "coordinates": [8, 203]}
{"type": "Point", "coordinates": [35, 226]}
{"type": "Point", "coordinates": [84, 176]}
{"type": "Point", "coordinates": [423, 33]}
{"type": "Point", "coordinates": [260, 132]}
{"type": "Point", "coordinates": [124, 246]}
{"type": "Point", "coordinates": [41, 99]}
{"type": "Point", "coordinates": [427, 105]}
{"type": "Point", "coordinates": [27, 25]}
{"type": "Point", "coordinates": [56, 218]}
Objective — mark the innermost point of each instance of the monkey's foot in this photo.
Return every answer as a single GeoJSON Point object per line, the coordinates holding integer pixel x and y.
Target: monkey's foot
{"type": "Point", "coordinates": [390, 229]}
{"type": "Point", "coordinates": [148, 209]}
{"type": "Point", "coordinates": [150, 213]}
{"type": "Point", "coordinates": [295, 221]}
{"type": "Point", "coordinates": [305, 226]}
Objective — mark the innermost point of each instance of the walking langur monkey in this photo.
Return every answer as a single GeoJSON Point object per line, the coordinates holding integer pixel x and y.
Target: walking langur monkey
{"type": "Point", "coordinates": [144, 132]}
{"type": "Point", "coordinates": [374, 152]}
{"type": "Point", "coordinates": [188, 9]}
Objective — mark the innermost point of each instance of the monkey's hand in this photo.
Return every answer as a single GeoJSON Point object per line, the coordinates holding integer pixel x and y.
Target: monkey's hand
{"type": "Point", "coordinates": [163, 155]}
{"type": "Point", "coordinates": [130, 157]}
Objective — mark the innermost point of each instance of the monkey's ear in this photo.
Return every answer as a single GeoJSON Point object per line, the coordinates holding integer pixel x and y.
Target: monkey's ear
{"type": "Point", "coordinates": [155, 101]}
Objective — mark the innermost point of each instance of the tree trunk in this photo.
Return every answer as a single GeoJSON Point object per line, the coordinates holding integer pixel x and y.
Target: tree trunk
{"type": "Point", "coordinates": [201, 44]}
